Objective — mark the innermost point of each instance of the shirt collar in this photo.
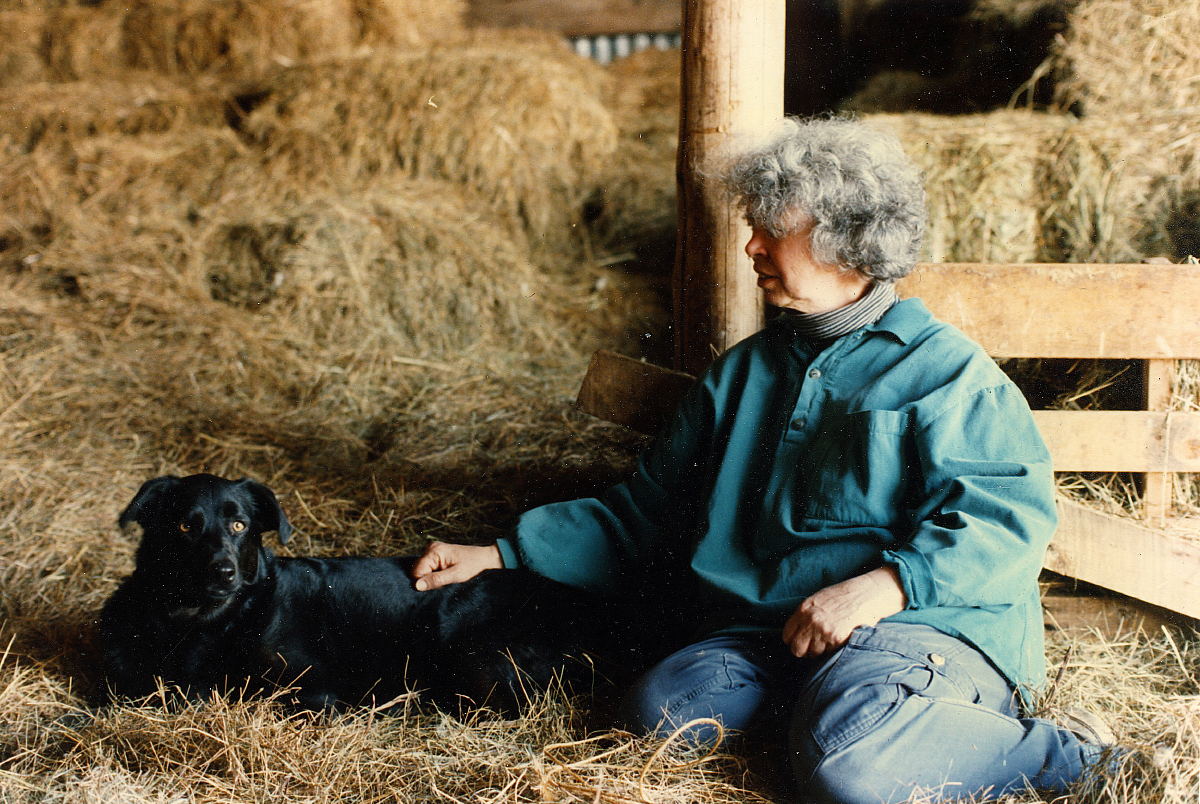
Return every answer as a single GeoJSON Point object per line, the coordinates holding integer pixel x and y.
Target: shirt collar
{"type": "Point", "coordinates": [904, 321]}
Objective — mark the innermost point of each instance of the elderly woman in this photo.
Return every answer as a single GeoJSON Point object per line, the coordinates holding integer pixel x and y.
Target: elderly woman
{"type": "Point", "coordinates": [851, 507]}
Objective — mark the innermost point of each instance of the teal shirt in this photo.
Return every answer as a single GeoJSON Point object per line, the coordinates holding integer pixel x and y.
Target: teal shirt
{"type": "Point", "coordinates": [789, 467]}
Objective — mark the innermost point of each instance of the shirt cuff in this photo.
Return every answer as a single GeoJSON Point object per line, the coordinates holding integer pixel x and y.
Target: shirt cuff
{"type": "Point", "coordinates": [916, 576]}
{"type": "Point", "coordinates": [508, 553]}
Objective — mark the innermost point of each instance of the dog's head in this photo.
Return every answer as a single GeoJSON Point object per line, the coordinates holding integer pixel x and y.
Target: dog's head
{"type": "Point", "coordinates": [201, 538]}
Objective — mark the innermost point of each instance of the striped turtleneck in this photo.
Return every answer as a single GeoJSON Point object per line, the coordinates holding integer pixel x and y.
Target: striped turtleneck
{"type": "Point", "coordinates": [844, 320]}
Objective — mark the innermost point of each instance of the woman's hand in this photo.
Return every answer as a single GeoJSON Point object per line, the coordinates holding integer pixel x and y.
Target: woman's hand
{"type": "Point", "coordinates": [824, 621]}
{"type": "Point", "coordinates": [443, 564]}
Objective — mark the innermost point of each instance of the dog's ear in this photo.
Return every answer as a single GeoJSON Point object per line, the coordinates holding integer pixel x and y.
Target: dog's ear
{"type": "Point", "coordinates": [144, 502]}
{"type": "Point", "coordinates": [268, 513]}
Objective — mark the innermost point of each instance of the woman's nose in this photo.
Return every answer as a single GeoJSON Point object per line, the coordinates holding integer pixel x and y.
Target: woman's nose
{"type": "Point", "coordinates": [755, 244]}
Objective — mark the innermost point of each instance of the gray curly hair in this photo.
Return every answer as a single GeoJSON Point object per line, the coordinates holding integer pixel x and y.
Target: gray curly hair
{"type": "Point", "coordinates": [864, 195]}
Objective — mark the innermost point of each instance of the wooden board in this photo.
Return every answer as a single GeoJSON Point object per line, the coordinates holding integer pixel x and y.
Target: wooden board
{"type": "Point", "coordinates": [1121, 440]}
{"type": "Point", "coordinates": [580, 17]}
{"type": "Point", "coordinates": [626, 391]}
{"type": "Point", "coordinates": [1113, 616]}
{"type": "Point", "coordinates": [1073, 311]}
{"type": "Point", "coordinates": [1126, 557]}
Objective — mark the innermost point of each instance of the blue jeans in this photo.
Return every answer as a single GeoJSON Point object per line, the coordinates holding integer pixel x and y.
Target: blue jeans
{"type": "Point", "coordinates": [899, 707]}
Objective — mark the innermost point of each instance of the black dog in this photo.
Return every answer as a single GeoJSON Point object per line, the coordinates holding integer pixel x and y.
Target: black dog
{"type": "Point", "coordinates": [208, 608]}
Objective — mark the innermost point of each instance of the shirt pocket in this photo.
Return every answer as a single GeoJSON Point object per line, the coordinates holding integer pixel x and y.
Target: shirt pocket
{"type": "Point", "coordinates": [862, 469]}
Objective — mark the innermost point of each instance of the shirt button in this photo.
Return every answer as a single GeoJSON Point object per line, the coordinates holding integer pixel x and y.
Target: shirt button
{"type": "Point", "coordinates": [937, 659]}
{"type": "Point", "coordinates": [799, 423]}
{"type": "Point", "coordinates": [815, 374]}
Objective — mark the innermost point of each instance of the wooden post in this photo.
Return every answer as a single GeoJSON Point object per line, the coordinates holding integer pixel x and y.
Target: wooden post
{"type": "Point", "coordinates": [732, 86]}
{"type": "Point", "coordinates": [1156, 486]}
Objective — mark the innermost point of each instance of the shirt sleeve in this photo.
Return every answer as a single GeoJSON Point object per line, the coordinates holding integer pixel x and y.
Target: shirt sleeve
{"type": "Point", "coordinates": [604, 542]}
{"type": "Point", "coordinates": [988, 510]}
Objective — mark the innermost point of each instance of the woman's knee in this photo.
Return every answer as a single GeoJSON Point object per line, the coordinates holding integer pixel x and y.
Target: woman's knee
{"type": "Point", "coordinates": [712, 680]}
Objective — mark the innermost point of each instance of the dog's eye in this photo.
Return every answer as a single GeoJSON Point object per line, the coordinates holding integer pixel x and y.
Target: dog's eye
{"type": "Point", "coordinates": [185, 527]}
{"type": "Point", "coordinates": [237, 526]}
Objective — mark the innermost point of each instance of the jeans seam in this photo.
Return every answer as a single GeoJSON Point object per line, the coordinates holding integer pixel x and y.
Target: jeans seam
{"type": "Point", "coordinates": [672, 707]}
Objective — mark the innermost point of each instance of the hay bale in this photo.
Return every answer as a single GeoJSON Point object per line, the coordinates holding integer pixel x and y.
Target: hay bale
{"type": "Point", "coordinates": [410, 23]}
{"type": "Point", "coordinates": [42, 115]}
{"type": "Point", "coordinates": [1130, 56]}
{"type": "Point", "coordinates": [20, 57]}
{"type": "Point", "coordinates": [636, 205]}
{"type": "Point", "coordinates": [524, 129]}
{"type": "Point", "coordinates": [156, 179]}
{"type": "Point", "coordinates": [994, 60]}
{"type": "Point", "coordinates": [984, 178]}
{"type": "Point", "coordinates": [412, 268]}
{"type": "Point", "coordinates": [250, 37]}
{"type": "Point", "coordinates": [81, 44]}
{"type": "Point", "coordinates": [1121, 189]}
{"type": "Point", "coordinates": [243, 37]}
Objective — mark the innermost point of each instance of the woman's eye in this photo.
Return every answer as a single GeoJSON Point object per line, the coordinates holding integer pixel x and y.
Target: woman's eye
{"type": "Point", "coordinates": [237, 526]}
{"type": "Point", "coordinates": [185, 527]}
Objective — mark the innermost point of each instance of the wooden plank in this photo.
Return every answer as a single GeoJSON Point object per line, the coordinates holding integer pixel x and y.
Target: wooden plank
{"type": "Point", "coordinates": [731, 87]}
{"type": "Point", "coordinates": [579, 17]}
{"type": "Point", "coordinates": [1121, 440]}
{"type": "Point", "coordinates": [1126, 557]}
{"type": "Point", "coordinates": [1159, 382]}
{"type": "Point", "coordinates": [1074, 311]}
{"type": "Point", "coordinates": [626, 391]}
{"type": "Point", "coordinates": [1113, 616]}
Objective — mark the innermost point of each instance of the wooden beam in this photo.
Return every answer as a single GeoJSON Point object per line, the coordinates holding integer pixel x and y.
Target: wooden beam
{"type": "Point", "coordinates": [579, 17]}
{"type": "Point", "coordinates": [731, 87]}
{"type": "Point", "coordinates": [1121, 440]}
{"type": "Point", "coordinates": [1074, 311]}
{"type": "Point", "coordinates": [626, 391]}
{"type": "Point", "coordinates": [1126, 557]}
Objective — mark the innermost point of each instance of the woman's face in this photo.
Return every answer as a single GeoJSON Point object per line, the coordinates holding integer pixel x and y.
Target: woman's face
{"type": "Point", "coordinates": [791, 277]}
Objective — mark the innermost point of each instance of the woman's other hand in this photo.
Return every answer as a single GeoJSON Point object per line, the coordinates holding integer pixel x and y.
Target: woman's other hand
{"type": "Point", "coordinates": [443, 564]}
{"type": "Point", "coordinates": [825, 620]}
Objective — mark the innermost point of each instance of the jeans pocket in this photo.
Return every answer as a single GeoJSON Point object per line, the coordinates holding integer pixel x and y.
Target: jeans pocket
{"type": "Point", "coordinates": [871, 676]}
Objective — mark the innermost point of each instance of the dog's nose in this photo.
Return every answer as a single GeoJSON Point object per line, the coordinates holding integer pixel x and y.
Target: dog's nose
{"type": "Point", "coordinates": [223, 569]}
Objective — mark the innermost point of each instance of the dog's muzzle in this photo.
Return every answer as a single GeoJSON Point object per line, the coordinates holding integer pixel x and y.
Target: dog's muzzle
{"type": "Point", "coordinates": [222, 577]}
